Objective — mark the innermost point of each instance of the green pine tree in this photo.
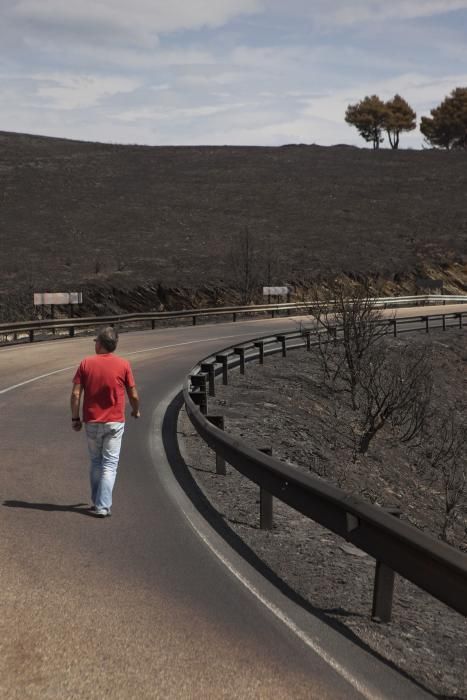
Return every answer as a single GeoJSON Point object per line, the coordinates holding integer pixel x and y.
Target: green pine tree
{"type": "Point", "coordinates": [399, 117]}
{"type": "Point", "coordinates": [368, 116]}
{"type": "Point", "coordinates": [447, 126]}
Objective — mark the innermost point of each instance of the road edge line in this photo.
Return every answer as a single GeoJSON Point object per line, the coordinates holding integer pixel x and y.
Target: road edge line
{"type": "Point", "coordinates": [208, 536]}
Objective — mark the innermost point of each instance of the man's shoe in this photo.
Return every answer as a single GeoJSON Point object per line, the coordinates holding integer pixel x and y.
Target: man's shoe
{"type": "Point", "coordinates": [102, 512]}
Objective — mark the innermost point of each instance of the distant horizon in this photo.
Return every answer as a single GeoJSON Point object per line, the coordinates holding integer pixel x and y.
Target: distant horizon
{"type": "Point", "coordinates": [223, 72]}
{"type": "Point", "coordinates": [363, 146]}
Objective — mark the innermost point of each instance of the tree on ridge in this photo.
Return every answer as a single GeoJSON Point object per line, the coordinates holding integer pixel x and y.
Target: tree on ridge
{"type": "Point", "coordinates": [399, 117]}
{"type": "Point", "coordinates": [447, 126]}
{"type": "Point", "coordinates": [371, 116]}
{"type": "Point", "coordinates": [368, 116]}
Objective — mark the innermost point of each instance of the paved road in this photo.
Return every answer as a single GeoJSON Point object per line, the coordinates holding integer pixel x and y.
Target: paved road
{"type": "Point", "coordinates": [136, 605]}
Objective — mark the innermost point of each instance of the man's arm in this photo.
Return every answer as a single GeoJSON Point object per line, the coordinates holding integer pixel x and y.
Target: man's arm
{"type": "Point", "coordinates": [75, 401]}
{"type": "Point", "coordinates": [134, 401]}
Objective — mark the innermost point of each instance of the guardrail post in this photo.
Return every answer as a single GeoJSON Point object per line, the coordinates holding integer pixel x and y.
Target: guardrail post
{"type": "Point", "coordinates": [208, 367]}
{"type": "Point", "coordinates": [273, 313]}
{"type": "Point", "coordinates": [444, 322]}
{"type": "Point", "coordinates": [31, 336]}
{"type": "Point", "coordinates": [307, 335]}
{"type": "Point", "coordinates": [241, 353]}
{"type": "Point", "coordinates": [218, 422]}
{"type": "Point", "coordinates": [383, 590]}
{"type": "Point", "coordinates": [427, 324]}
{"type": "Point", "coordinates": [383, 593]}
{"type": "Point", "coordinates": [200, 397]}
{"type": "Point", "coordinates": [234, 317]}
{"type": "Point", "coordinates": [223, 360]}
{"type": "Point", "coordinates": [153, 323]}
{"type": "Point", "coordinates": [265, 502]}
{"type": "Point", "coordinates": [71, 332]}
{"type": "Point", "coordinates": [260, 345]}
{"type": "Point", "coordinates": [194, 320]}
{"type": "Point", "coordinates": [394, 323]}
{"type": "Point", "coordinates": [460, 320]}
{"type": "Point", "coordinates": [282, 340]}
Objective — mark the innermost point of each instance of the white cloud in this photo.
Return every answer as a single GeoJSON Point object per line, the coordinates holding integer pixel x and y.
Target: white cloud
{"type": "Point", "coordinates": [136, 60]}
{"type": "Point", "coordinates": [160, 88]}
{"type": "Point", "coordinates": [354, 12]}
{"type": "Point", "coordinates": [345, 12]}
{"type": "Point", "coordinates": [246, 71]}
{"type": "Point", "coordinates": [139, 19]}
{"type": "Point", "coordinates": [175, 113]}
{"type": "Point", "coordinates": [68, 92]}
{"type": "Point", "coordinates": [207, 79]}
{"type": "Point", "coordinates": [320, 57]}
{"type": "Point", "coordinates": [271, 57]}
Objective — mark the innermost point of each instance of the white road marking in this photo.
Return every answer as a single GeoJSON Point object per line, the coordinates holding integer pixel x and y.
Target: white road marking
{"type": "Point", "coordinates": [133, 352]}
{"type": "Point", "coordinates": [66, 341]}
{"type": "Point", "coordinates": [368, 693]}
{"type": "Point", "coordinates": [157, 448]}
{"type": "Point", "coordinates": [188, 342]}
{"type": "Point", "coordinates": [34, 379]}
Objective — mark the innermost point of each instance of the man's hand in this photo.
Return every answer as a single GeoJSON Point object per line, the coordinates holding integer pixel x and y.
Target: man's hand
{"type": "Point", "coordinates": [134, 401]}
{"type": "Point", "coordinates": [75, 400]}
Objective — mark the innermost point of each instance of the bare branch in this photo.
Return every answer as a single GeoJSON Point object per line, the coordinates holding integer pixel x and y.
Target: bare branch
{"type": "Point", "coordinates": [444, 460]}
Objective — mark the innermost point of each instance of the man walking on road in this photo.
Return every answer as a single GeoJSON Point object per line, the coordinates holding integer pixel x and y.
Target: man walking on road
{"type": "Point", "coordinates": [103, 377]}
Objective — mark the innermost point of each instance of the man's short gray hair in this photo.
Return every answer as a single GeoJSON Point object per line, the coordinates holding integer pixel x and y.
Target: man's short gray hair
{"type": "Point", "coordinates": [108, 338]}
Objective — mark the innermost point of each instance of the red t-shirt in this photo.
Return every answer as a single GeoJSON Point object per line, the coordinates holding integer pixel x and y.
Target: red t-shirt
{"type": "Point", "coordinates": [104, 379]}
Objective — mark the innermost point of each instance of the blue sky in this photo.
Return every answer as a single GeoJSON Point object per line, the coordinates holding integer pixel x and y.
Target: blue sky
{"type": "Point", "coordinates": [240, 72]}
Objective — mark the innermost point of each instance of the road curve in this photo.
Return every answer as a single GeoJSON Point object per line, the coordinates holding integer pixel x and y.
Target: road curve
{"type": "Point", "coordinates": [136, 605]}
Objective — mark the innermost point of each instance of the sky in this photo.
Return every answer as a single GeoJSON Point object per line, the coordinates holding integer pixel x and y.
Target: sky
{"type": "Point", "coordinates": [215, 72]}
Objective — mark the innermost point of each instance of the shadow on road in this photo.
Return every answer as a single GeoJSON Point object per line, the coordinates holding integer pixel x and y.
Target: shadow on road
{"type": "Point", "coordinates": [81, 508]}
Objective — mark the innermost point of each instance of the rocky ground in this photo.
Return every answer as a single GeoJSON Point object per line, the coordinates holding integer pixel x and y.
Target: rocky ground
{"type": "Point", "coordinates": [280, 405]}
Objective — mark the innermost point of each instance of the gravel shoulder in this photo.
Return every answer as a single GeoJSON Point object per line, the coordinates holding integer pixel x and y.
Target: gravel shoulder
{"type": "Point", "coordinates": [277, 405]}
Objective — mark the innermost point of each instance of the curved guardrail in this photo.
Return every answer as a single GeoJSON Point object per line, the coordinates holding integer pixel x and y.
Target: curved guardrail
{"type": "Point", "coordinates": [30, 328]}
{"type": "Point", "coordinates": [397, 546]}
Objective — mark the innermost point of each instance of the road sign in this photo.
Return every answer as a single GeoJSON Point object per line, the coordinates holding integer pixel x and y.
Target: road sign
{"type": "Point", "coordinates": [275, 291]}
{"type": "Point", "coordinates": [51, 298]}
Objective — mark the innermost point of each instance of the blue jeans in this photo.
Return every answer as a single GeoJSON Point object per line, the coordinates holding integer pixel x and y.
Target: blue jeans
{"type": "Point", "coordinates": [104, 442]}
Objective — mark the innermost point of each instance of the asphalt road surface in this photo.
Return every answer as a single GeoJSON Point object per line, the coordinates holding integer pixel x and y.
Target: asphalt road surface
{"type": "Point", "coordinates": [145, 604]}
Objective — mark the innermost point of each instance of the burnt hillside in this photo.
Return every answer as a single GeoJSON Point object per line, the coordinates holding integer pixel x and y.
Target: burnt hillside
{"type": "Point", "coordinates": [74, 213]}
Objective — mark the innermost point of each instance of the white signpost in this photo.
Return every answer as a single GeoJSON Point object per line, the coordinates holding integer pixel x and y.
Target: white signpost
{"type": "Point", "coordinates": [275, 291]}
{"type": "Point", "coordinates": [55, 298]}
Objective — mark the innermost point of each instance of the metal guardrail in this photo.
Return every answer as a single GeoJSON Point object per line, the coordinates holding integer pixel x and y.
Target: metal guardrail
{"type": "Point", "coordinates": [30, 328]}
{"type": "Point", "coordinates": [397, 546]}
